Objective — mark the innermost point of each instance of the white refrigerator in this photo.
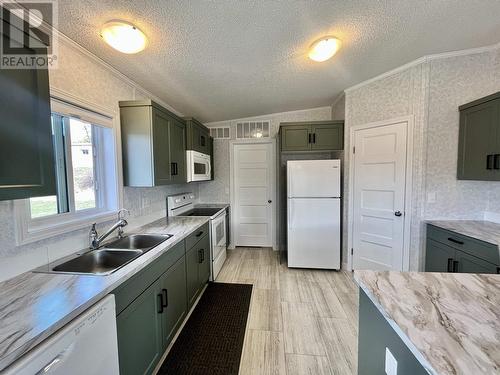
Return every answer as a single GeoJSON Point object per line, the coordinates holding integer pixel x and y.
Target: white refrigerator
{"type": "Point", "coordinates": [313, 202]}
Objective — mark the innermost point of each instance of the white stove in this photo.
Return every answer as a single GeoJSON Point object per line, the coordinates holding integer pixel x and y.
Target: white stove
{"type": "Point", "coordinates": [183, 205]}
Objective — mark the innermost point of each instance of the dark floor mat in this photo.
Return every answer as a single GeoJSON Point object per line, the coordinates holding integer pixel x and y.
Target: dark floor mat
{"type": "Point", "coordinates": [211, 342]}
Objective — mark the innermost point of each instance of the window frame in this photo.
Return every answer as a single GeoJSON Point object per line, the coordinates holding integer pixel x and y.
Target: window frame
{"type": "Point", "coordinates": [107, 177]}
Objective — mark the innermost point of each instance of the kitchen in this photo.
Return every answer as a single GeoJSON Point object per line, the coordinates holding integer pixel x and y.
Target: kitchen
{"type": "Point", "coordinates": [229, 165]}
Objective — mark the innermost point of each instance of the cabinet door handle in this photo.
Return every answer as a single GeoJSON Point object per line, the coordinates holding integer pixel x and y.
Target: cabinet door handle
{"type": "Point", "coordinates": [160, 305]}
{"type": "Point", "coordinates": [455, 266]}
{"type": "Point", "coordinates": [314, 137]}
{"type": "Point", "coordinates": [498, 270]}
{"type": "Point", "coordinates": [489, 161]}
{"type": "Point", "coordinates": [165, 294]}
{"type": "Point", "coordinates": [496, 161]}
{"type": "Point", "coordinates": [173, 169]}
{"type": "Point", "coordinates": [310, 137]}
{"type": "Point", "coordinates": [199, 233]}
{"type": "Point", "coordinates": [202, 141]}
{"type": "Point", "coordinates": [200, 256]}
{"type": "Point", "coordinates": [451, 239]}
{"type": "Point", "coordinates": [450, 265]}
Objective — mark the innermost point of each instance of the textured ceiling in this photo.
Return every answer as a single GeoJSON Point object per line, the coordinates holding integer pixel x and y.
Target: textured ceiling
{"type": "Point", "coordinates": [225, 59]}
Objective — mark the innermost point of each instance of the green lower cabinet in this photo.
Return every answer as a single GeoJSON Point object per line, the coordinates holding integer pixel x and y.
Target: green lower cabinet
{"type": "Point", "coordinates": [173, 288]}
{"type": "Point", "coordinates": [193, 285]}
{"type": "Point", "coordinates": [465, 263]}
{"type": "Point", "coordinates": [140, 343]}
{"type": "Point", "coordinates": [439, 257]}
{"type": "Point", "coordinates": [197, 268]}
{"type": "Point", "coordinates": [375, 337]}
{"type": "Point", "coordinates": [204, 267]}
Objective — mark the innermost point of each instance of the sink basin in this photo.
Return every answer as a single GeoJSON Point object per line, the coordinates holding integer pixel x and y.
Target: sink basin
{"type": "Point", "coordinates": [98, 262]}
{"type": "Point", "coordinates": [142, 242]}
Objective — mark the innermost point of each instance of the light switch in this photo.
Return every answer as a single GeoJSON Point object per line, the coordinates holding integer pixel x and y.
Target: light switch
{"type": "Point", "coordinates": [391, 365]}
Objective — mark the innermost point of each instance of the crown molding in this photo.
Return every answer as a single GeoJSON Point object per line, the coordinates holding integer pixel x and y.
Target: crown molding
{"type": "Point", "coordinates": [423, 60]}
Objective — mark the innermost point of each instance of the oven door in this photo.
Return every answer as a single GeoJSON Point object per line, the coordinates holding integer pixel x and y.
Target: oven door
{"type": "Point", "coordinates": [218, 235]}
{"type": "Point", "coordinates": [198, 166]}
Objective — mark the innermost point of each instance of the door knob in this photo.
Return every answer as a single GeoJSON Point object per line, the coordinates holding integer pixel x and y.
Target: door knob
{"type": "Point", "coordinates": [398, 213]}
{"type": "Point", "coordinates": [269, 201]}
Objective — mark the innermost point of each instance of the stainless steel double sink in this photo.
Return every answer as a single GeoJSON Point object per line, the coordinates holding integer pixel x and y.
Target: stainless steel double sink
{"type": "Point", "coordinates": [110, 257]}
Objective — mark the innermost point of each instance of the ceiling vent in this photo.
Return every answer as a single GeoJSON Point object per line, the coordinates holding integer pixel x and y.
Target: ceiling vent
{"type": "Point", "coordinates": [220, 133]}
{"type": "Point", "coordinates": [253, 129]}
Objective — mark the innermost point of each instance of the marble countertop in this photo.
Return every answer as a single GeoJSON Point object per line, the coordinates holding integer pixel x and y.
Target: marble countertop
{"type": "Point", "coordinates": [35, 305]}
{"type": "Point", "coordinates": [449, 321]}
{"type": "Point", "coordinates": [486, 231]}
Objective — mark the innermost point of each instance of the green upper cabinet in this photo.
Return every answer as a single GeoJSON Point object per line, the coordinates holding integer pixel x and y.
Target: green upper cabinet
{"type": "Point", "coordinates": [198, 136]}
{"type": "Point", "coordinates": [178, 151]}
{"type": "Point", "coordinates": [479, 140]}
{"type": "Point", "coordinates": [153, 144]}
{"type": "Point", "coordinates": [27, 155]}
{"type": "Point", "coordinates": [312, 136]}
{"type": "Point", "coordinates": [296, 138]}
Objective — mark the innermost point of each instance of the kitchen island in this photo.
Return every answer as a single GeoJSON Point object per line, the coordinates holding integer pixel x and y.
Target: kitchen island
{"type": "Point", "coordinates": [437, 323]}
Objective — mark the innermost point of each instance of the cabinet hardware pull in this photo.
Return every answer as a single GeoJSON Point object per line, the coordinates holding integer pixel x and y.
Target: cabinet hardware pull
{"type": "Point", "coordinates": [200, 256]}
{"type": "Point", "coordinates": [498, 270]}
{"type": "Point", "coordinates": [489, 161]}
{"type": "Point", "coordinates": [160, 305]}
{"type": "Point", "coordinates": [455, 241]}
{"type": "Point", "coordinates": [309, 137]}
{"type": "Point", "coordinates": [199, 233]}
{"type": "Point", "coordinates": [202, 141]}
{"type": "Point", "coordinates": [450, 265]}
{"type": "Point", "coordinates": [496, 161]}
{"type": "Point", "coordinates": [455, 266]}
{"type": "Point", "coordinates": [314, 137]}
{"type": "Point", "coordinates": [165, 294]}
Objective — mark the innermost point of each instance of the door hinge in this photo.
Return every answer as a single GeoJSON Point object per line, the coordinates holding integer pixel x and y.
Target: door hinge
{"type": "Point", "coordinates": [354, 150]}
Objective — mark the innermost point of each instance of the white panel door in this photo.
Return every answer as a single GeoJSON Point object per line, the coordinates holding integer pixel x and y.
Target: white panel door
{"type": "Point", "coordinates": [379, 197]}
{"type": "Point", "coordinates": [314, 233]}
{"type": "Point", "coordinates": [253, 190]}
{"type": "Point", "coordinates": [313, 178]}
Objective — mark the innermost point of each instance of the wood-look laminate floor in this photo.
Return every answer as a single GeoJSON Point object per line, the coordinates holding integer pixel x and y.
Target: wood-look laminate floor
{"type": "Point", "coordinates": [300, 321]}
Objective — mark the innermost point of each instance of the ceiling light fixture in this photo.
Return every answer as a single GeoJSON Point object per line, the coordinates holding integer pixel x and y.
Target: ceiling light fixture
{"type": "Point", "coordinates": [324, 48]}
{"type": "Point", "coordinates": [123, 36]}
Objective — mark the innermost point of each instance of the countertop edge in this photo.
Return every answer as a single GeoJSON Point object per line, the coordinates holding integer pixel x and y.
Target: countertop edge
{"type": "Point", "coordinates": [402, 335]}
{"type": "Point", "coordinates": [24, 348]}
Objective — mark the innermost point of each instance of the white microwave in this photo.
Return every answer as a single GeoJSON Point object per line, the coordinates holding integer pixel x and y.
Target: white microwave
{"type": "Point", "coordinates": [198, 166]}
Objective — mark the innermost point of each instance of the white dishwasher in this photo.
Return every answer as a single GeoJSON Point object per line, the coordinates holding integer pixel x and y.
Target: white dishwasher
{"type": "Point", "coordinates": [85, 346]}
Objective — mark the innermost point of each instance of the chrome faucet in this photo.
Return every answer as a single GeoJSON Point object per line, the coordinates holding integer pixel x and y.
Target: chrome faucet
{"type": "Point", "coordinates": [95, 239]}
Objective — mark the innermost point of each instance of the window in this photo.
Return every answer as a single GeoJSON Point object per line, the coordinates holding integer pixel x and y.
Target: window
{"type": "Point", "coordinates": [85, 166]}
{"type": "Point", "coordinates": [253, 129]}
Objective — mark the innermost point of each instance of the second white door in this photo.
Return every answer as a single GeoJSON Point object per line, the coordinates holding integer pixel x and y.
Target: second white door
{"type": "Point", "coordinates": [253, 194]}
{"type": "Point", "coordinates": [379, 196]}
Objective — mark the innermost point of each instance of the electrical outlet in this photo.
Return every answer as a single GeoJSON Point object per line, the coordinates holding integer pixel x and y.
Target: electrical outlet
{"type": "Point", "coordinates": [391, 365]}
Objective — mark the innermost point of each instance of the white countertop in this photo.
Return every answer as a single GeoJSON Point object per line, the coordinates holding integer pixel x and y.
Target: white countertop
{"type": "Point", "coordinates": [449, 321]}
{"type": "Point", "coordinates": [35, 305]}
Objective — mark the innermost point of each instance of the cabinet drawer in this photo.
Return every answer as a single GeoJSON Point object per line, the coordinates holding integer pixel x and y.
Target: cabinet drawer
{"type": "Point", "coordinates": [479, 249]}
{"type": "Point", "coordinates": [126, 293]}
{"type": "Point", "coordinates": [197, 235]}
